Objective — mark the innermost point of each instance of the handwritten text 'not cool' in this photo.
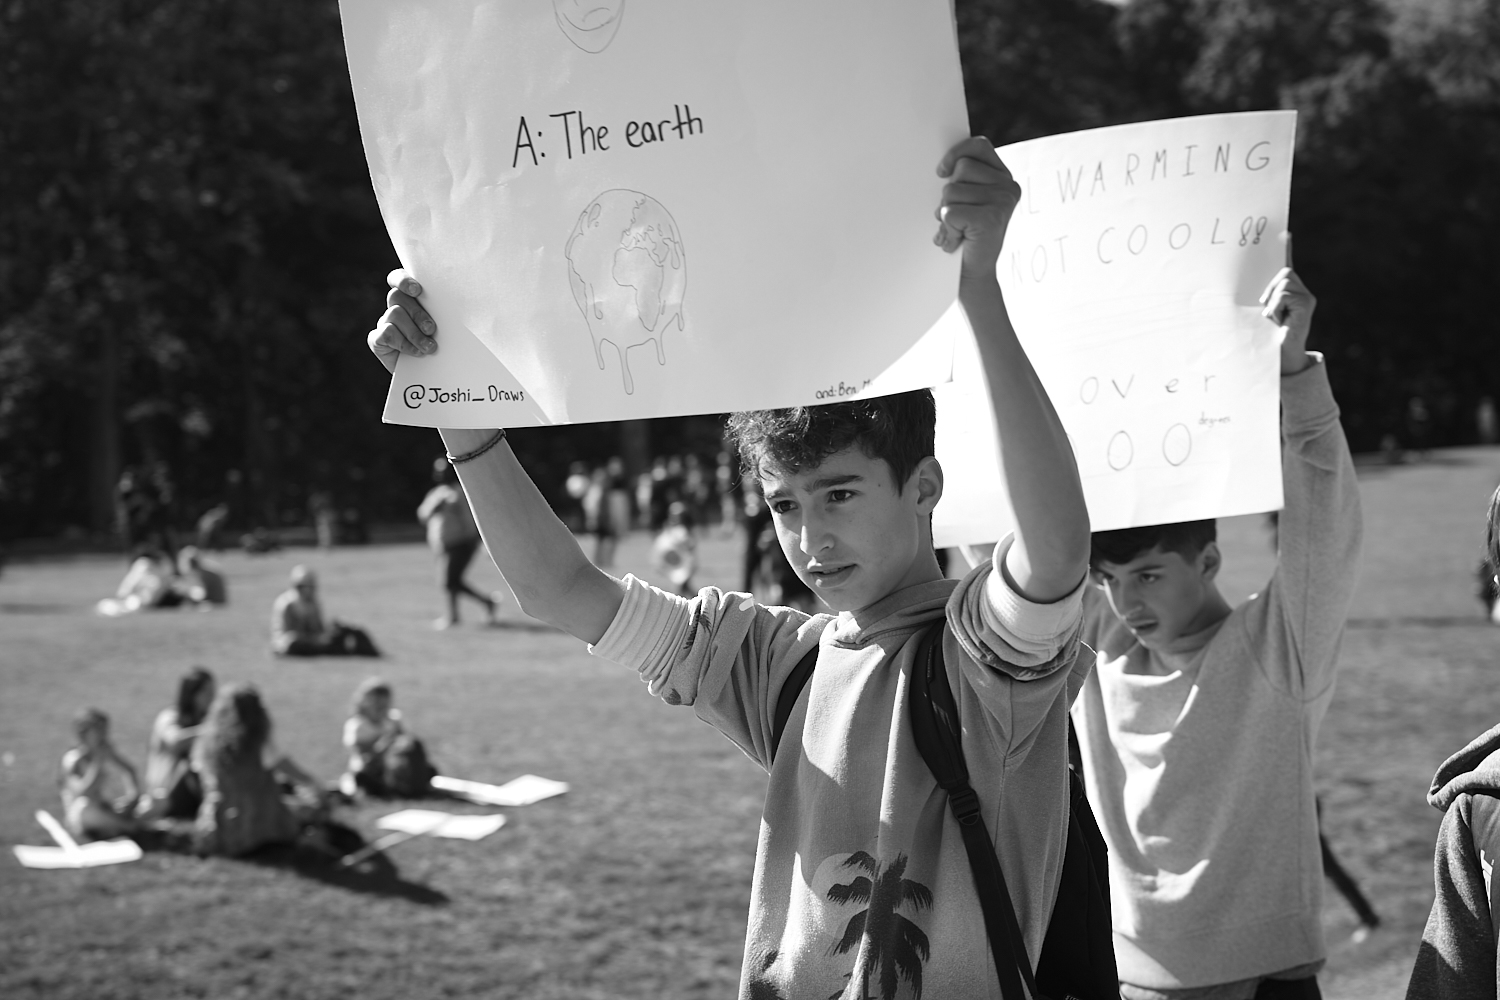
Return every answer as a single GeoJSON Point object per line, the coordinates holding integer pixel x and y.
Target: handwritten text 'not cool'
{"type": "Point", "coordinates": [1115, 244]}
{"type": "Point", "coordinates": [415, 395]}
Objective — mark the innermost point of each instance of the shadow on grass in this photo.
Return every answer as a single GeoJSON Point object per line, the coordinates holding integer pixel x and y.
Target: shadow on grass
{"type": "Point", "coordinates": [1371, 465]}
{"type": "Point", "coordinates": [508, 625]}
{"type": "Point", "coordinates": [1422, 621]}
{"type": "Point", "coordinates": [376, 876]}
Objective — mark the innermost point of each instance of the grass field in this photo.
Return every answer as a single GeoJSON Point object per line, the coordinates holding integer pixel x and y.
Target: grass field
{"type": "Point", "coordinates": [635, 884]}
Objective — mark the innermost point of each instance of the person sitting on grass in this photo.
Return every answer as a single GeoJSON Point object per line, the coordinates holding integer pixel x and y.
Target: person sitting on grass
{"type": "Point", "coordinates": [298, 627]}
{"type": "Point", "coordinates": [384, 759]}
{"type": "Point", "coordinates": [1197, 725]}
{"type": "Point", "coordinates": [852, 487]}
{"type": "Point", "coordinates": [172, 786]}
{"type": "Point", "coordinates": [150, 582]}
{"type": "Point", "coordinates": [199, 580]}
{"type": "Point", "coordinates": [99, 787]}
{"type": "Point", "coordinates": [676, 549]}
{"type": "Point", "coordinates": [253, 795]}
{"type": "Point", "coordinates": [1459, 956]}
{"type": "Point", "coordinates": [454, 538]}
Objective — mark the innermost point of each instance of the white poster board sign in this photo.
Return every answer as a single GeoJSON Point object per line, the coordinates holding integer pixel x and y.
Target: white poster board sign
{"type": "Point", "coordinates": [622, 210]}
{"type": "Point", "coordinates": [1132, 270]}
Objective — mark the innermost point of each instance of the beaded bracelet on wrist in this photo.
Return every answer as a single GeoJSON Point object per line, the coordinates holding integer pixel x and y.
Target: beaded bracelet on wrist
{"type": "Point", "coordinates": [469, 456]}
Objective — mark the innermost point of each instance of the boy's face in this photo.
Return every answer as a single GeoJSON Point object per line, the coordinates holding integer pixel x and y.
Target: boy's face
{"type": "Point", "coordinates": [848, 532]}
{"type": "Point", "coordinates": [1161, 595]}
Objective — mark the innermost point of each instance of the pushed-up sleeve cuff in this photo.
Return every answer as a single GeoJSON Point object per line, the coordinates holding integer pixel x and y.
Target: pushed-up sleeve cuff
{"type": "Point", "coordinates": [1307, 398]}
{"type": "Point", "coordinates": [1026, 626]}
{"type": "Point", "coordinates": [647, 632]}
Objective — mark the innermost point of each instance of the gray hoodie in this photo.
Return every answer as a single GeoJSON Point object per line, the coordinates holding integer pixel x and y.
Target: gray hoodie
{"type": "Point", "coordinates": [1457, 957]}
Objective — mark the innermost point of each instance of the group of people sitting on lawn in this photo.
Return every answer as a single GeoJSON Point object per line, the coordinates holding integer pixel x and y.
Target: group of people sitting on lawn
{"type": "Point", "coordinates": [157, 580]}
{"type": "Point", "coordinates": [298, 624]}
{"type": "Point", "coordinates": [217, 783]}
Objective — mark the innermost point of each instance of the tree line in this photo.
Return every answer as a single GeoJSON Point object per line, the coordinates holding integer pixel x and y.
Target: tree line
{"type": "Point", "coordinates": [190, 249]}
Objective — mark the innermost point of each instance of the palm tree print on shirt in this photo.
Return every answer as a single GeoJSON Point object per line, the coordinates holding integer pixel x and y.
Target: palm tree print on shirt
{"type": "Point", "coordinates": [888, 942]}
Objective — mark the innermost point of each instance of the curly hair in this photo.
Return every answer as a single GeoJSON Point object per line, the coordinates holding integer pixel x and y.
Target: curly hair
{"type": "Point", "coordinates": [901, 429]}
{"type": "Point", "coordinates": [1186, 538]}
{"type": "Point", "coordinates": [236, 728]}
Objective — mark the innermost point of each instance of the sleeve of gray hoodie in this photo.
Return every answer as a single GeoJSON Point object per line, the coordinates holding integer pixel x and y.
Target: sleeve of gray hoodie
{"type": "Point", "coordinates": [1296, 623]}
{"type": "Point", "coordinates": [1456, 960]}
{"type": "Point", "coordinates": [723, 653]}
{"type": "Point", "coordinates": [728, 656]}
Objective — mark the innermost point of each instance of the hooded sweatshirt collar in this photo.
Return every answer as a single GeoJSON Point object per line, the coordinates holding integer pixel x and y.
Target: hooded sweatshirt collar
{"type": "Point", "coordinates": [908, 608]}
{"type": "Point", "coordinates": [1475, 768]}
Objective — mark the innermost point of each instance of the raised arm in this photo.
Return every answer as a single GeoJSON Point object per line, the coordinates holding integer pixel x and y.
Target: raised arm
{"type": "Point", "coordinates": [536, 553]}
{"type": "Point", "coordinates": [1051, 550]}
{"type": "Point", "coordinates": [177, 738]}
{"type": "Point", "coordinates": [1320, 528]}
{"type": "Point", "coordinates": [129, 772]}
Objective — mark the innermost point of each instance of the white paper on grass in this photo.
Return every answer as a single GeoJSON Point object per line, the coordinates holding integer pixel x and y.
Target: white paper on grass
{"type": "Point", "coordinates": [434, 823]}
{"type": "Point", "coordinates": [70, 854]}
{"type": "Point", "coordinates": [1132, 270]}
{"type": "Point", "coordinates": [91, 855]}
{"type": "Point", "coordinates": [623, 210]}
{"type": "Point", "coordinates": [522, 791]}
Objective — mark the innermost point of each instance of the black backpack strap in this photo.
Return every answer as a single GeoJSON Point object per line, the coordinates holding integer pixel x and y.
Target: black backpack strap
{"type": "Point", "coordinates": [935, 727]}
{"type": "Point", "coordinates": [791, 690]}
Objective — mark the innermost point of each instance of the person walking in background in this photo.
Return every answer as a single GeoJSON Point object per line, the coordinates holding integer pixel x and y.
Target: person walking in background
{"type": "Point", "coordinates": [454, 538]}
{"type": "Point", "coordinates": [727, 488]}
{"type": "Point", "coordinates": [676, 549]}
{"type": "Point", "coordinates": [172, 786]}
{"type": "Point", "coordinates": [617, 502]}
{"type": "Point", "coordinates": [143, 509]}
{"type": "Point", "coordinates": [299, 629]}
{"type": "Point", "coordinates": [596, 517]}
{"type": "Point", "coordinates": [576, 485]}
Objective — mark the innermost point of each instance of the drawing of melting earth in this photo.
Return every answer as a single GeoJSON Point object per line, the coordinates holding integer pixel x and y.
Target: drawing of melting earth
{"type": "Point", "coordinates": [628, 273]}
{"type": "Point", "coordinates": [589, 24]}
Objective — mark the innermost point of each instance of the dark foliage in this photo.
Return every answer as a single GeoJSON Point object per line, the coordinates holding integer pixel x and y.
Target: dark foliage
{"type": "Point", "coordinates": [190, 250]}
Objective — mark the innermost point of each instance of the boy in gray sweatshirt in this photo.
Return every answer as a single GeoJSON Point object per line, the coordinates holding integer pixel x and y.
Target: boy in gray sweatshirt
{"type": "Point", "coordinates": [861, 884]}
{"type": "Point", "coordinates": [1198, 723]}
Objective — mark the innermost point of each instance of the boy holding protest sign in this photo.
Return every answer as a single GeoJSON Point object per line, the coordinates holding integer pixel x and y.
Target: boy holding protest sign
{"type": "Point", "coordinates": [1198, 722]}
{"type": "Point", "coordinates": [860, 878]}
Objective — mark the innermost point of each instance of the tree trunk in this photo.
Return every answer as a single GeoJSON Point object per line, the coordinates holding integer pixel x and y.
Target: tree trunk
{"type": "Point", "coordinates": [104, 451]}
{"type": "Point", "coordinates": [635, 446]}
